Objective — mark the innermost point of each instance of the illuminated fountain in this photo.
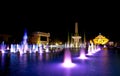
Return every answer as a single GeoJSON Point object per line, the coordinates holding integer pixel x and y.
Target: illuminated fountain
{"type": "Point", "coordinates": [67, 59]}
{"type": "Point", "coordinates": [24, 47]}
{"type": "Point", "coordinates": [93, 49]}
{"type": "Point", "coordinates": [67, 45]}
{"type": "Point", "coordinates": [34, 48]}
{"type": "Point", "coordinates": [24, 44]}
{"type": "Point", "coordinates": [2, 47]}
{"type": "Point", "coordinates": [97, 48]}
{"type": "Point", "coordinates": [90, 48]}
{"type": "Point", "coordinates": [82, 54]}
{"type": "Point", "coordinates": [40, 49]}
{"type": "Point", "coordinates": [12, 49]}
{"type": "Point", "coordinates": [46, 48]}
{"type": "Point", "coordinates": [76, 38]}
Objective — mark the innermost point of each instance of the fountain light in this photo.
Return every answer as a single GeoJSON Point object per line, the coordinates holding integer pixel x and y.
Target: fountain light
{"type": "Point", "coordinates": [82, 54]}
{"type": "Point", "coordinates": [67, 59]}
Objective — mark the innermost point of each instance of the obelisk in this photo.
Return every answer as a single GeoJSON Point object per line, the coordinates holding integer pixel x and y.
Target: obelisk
{"type": "Point", "coordinates": [76, 28]}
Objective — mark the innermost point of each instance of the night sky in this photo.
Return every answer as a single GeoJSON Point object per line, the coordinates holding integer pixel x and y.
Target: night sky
{"type": "Point", "coordinates": [59, 21]}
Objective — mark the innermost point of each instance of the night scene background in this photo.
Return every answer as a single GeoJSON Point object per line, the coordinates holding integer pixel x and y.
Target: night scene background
{"type": "Point", "coordinates": [19, 58]}
{"type": "Point", "coordinates": [92, 19]}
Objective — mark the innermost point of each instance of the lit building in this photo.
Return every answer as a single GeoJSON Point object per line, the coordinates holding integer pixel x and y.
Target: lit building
{"type": "Point", "coordinates": [100, 39]}
{"type": "Point", "coordinates": [39, 38]}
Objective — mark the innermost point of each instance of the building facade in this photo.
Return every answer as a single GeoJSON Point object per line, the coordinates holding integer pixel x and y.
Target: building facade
{"type": "Point", "coordinates": [39, 38]}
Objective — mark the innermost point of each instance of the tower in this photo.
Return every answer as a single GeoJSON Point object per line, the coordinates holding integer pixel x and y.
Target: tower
{"type": "Point", "coordinates": [76, 38]}
{"type": "Point", "coordinates": [84, 41]}
{"type": "Point", "coordinates": [76, 29]}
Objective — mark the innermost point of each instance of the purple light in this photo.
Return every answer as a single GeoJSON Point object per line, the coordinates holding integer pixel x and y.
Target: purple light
{"type": "Point", "coordinates": [67, 59]}
{"type": "Point", "coordinates": [98, 49]}
{"type": "Point", "coordinates": [89, 53]}
{"type": "Point", "coordinates": [68, 65]}
{"type": "Point", "coordinates": [82, 54]}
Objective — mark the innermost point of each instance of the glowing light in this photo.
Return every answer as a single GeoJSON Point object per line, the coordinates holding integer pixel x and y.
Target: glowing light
{"type": "Point", "coordinates": [3, 47]}
{"type": "Point", "coordinates": [40, 48]}
{"type": "Point", "coordinates": [82, 54]}
{"type": "Point", "coordinates": [89, 50]}
{"type": "Point", "coordinates": [98, 49]}
{"type": "Point", "coordinates": [67, 60]}
{"type": "Point", "coordinates": [47, 48]}
{"type": "Point", "coordinates": [38, 41]}
{"type": "Point", "coordinates": [56, 44]}
{"type": "Point", "coordinates": [68, 65]}
{"type": "Point", "coordinates": [8, 48]}
{"type": "Point", "coordinates": [100, 39]}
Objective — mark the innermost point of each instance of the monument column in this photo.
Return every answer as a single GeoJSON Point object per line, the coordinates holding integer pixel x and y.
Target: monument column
{"type": "Point", "coordinates": [76, 28]}
{"type": "Point", "coordinates": [76, 37]}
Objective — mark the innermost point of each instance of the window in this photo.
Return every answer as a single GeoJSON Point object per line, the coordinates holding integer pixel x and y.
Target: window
{"type": "Point", "coordinates": [43, 38]}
